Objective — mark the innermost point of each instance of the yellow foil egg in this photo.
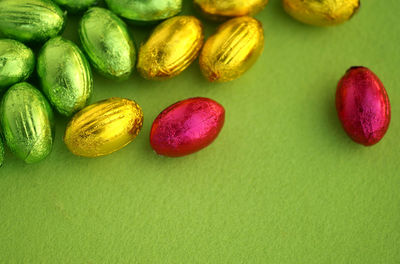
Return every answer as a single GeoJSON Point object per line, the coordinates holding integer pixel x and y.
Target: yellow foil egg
{"type": "Point", "coordinates": [232, 50]}
{"type": "Point", "coordinates": [171, 48]}
{"type": "Point", "coordinates": [218, 9]}
{"type": "Point", "coordinates": [321, 12]}
{"type": "Point", "coordinates": [103, 127]}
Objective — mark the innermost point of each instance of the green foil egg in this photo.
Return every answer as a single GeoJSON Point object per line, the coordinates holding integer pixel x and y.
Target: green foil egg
{"type": "Point", "coordinates": [16, 62]}
{"type": "Point", "coordinates": [65, 75]}
{"type": "Point", "coordinates": [145, 10]}
{"type": "Point", "coordinates": [76, 5]}
{"type": "Point", "coordinates": [106, 41]}
{"type": "Point", "coordinates": [28, 123]}
{"type": "Point", "coordinates": [30, 20]}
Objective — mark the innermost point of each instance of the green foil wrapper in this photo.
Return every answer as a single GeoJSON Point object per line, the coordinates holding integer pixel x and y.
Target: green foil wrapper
{"type": "Point", "coordinates": [145, 10]}
{"type": "Point", "coordinates": [106, 41]}
{"type": "Point", "coordinates": [65, 75]}
{"type": "Point", "coordinates": [16, 62]}
{"type": "Point", "coordinates": [76, 5]}
{"type": "Point", "coordinates": [30, 20]}
{"type": "Point", "coordinates": [27, 122]}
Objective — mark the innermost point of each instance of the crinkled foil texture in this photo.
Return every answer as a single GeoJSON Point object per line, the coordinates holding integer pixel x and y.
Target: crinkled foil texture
{"type": "Point", "coordinates": [28, 123]}
{"type": "Point", "coordinates": [321, 12]}
{"type": "Point", "coordinates": [171, 48]}
{"type": "Point", "coordinates": [104, 127]}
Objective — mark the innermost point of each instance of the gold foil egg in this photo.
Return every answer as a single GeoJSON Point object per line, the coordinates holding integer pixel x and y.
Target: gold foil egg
{"type": "Point", "coordinates": [321, 12]}
{"type": "Point", "coordinates": [104, 127]}
{"type": "Point", "coordinates": [171, 48]}
{"type": "Point", "coordinates": [219, 10]}
{"type": "Point", "coordinates": [232, 50]}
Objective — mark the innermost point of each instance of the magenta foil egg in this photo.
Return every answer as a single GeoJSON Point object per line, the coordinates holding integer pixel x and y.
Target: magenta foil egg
{"type": "Point", "coordinates": [363, 106]}
{"type": "Point", "coordinates": [187, 126]}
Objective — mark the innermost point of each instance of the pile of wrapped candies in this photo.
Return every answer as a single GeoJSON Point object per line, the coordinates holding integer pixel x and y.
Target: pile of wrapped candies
{"type": "Point", "coordinates": [64, 71]}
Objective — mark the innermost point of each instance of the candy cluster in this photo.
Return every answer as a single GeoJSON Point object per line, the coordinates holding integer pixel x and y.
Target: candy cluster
{"type": "Point", "coordinates": [65, 75]}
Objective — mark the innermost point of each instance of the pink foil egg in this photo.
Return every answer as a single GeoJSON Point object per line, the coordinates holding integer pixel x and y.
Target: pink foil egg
{"type": "Point", "coordinates": [363, 106]}
{"type": "Point", "coordinates": [187, 126]}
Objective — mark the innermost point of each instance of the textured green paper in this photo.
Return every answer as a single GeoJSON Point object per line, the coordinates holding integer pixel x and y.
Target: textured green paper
{"type": "Point", "coordinates": [282, 183]}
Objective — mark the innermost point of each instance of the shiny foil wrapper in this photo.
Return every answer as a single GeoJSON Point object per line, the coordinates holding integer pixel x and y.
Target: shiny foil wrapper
{"type": "Point", "coordinates": [30, 20]}
{"type": "Point", "coordinates": [232, 50]}
{"type": "Point", "coordinates": [75, 6]}
{"type": "Point", "coordinates": [187, 127]}
{"type": "Point", "coordinates": [17, 62]}
{"type": "Point", "coordinates": [321, 12]}
{"type": "Point", "coordinates": [104, 127]}
{"type": "Point", "coordinates": [27, 122]}
{"type": "Point", "coordinates": [363, 106]}
{"type": "Point", "coordinates": [107, 43]}
{"type": "Point", "coordinates": [225, 9]}
{"type": "Point", "coordinates": [65, 75]}
{"type": "Point", "coordinates": [171, 48]}
{"type": "Point", "coordinates": [148, 11]}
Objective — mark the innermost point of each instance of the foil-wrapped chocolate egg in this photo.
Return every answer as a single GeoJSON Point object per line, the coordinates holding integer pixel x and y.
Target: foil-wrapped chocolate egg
{"type": "Point", "coordinates": [187, 127]}
{"type": "Point", "coordinates": [104, 127]}
{"type": "Point", "coordinates": [147, 11]}
{"type": "Point", "coordinates": [363, 106]}
{"type": "Point", "coordinates": [30, 20]}
{"type": "Point", "coordinates": [171, 48]}
{"type": "Point", "coordinates": [27, 122]}
{"type": "Point", "coordinates": [65, 75]}
{"type": "Point", "coordinates": [16, 62]}
{"type": "Point", "coordinates": [232, 50]}
{"type": "Point", "coordinates": [220, 10]}
{"type": "Point", "coordinates": [106, 41]}
{"type": "Point", "coordinates": [76, 5]}
{"type": "Point", "coordinates": [321, 12]}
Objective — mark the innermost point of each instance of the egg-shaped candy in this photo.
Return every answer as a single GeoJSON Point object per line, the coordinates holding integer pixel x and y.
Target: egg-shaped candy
{"type": "Point", "coordinates": [363, 106]}
{"type": "Point", "coordinates": [104, 127]}
{"type": "Point", "coordinates": [147, 11]}
{"type": "Point", "coordinates": [232, 50]}
{"type": "Point", "coordinates": [65, 75]}
{"type": "Point", "coordinates": [171, 48]}
{"type": "Point", "coordinates": [27, 122]}
{"type": "Point", "coordinates": [76, 5]}
{"type": "Point", "coordinates": [220, 10]}
{"type": "Point", "coordinates": [107, 43]}
{"type": "Point", "coordinates": [187, 127]}
{"type": "Point", "coordinates": [16, 62]}
{"type": "Point", "coordinates": [321, 12]}
{"type": "Point", "coordinates": [30, 20]}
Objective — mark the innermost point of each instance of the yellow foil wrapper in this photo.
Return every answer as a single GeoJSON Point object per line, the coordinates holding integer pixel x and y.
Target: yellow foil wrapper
{"type": "Point", "coordinates": [104, 127]}
{"type": "Point", "coordinates": [171, 48]}
{"type": "Point", "coordinates": [321, 12]}
{"type": "Point", "coordinates": [232, 50]}
{"type": "Point", "coordinates": [223, 9]}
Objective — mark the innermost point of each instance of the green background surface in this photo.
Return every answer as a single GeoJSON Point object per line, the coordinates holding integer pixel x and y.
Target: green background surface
{"type": "Point", "coordinates": [282, 183]}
